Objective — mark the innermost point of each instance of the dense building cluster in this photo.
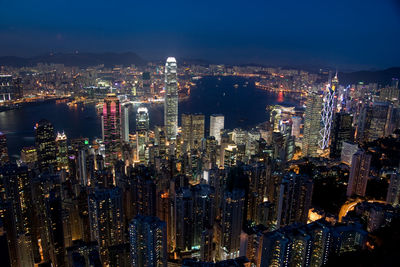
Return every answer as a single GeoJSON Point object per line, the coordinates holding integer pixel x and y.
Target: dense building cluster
{"type": "Point", "coordinates": [296, 190]}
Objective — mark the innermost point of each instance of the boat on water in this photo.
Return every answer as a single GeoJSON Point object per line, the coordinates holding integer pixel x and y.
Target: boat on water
{"type": "Point", "coordinates": [9, 107]}
{"type": "Point", "coordinates": [236, 85]}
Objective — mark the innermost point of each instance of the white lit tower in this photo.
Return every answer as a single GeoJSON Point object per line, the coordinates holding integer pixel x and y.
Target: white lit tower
{"type": "Point", "coordinates": [171, 99]}
{"type": "Point", "coordinates": [142, 128]}
{"type": "Point", "coordinates": [328, 107]}
{"type": "Point", "coordinates": [216, 125]}
{"type": "Point", "coordinates": [125, 123]}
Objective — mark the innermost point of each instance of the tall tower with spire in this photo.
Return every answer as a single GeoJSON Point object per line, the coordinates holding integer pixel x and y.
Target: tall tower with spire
{"type": "Point", "coordinates": [171, 99]}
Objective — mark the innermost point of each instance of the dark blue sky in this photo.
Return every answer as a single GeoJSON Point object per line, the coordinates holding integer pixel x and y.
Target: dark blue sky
{"type": "Point", "coordinates": [342, 33]}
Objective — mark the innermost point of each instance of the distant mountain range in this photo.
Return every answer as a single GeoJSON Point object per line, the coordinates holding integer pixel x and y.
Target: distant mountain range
{"type": "Point", "coordinates": [382, 77]}
{"type": "Point", "coordinates": [77, 59]}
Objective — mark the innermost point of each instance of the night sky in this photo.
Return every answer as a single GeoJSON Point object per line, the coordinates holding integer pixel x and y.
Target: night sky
{"type": "Point", "coordinates": [350, 34]}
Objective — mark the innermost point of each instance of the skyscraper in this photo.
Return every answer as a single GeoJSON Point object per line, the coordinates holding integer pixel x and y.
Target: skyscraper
{"type": "Point", "coordinates": [348, 150]}
{"type": "Point", "coordinates": [293, 199]}
{"type": "Point", "coordinates": [142, 128]}
{"type": "Point", "coordinates": [231, 223]}
{"type": "Point", "coordinates": [112, 129]}
{"type": "Point", "coordinates": [125, 123]}
{"type": "Point", "coordinates": [62, 151]}
{"type": "Point", "coordinates": [183, 218]}
{"type": "Point", "coordinates": [312, 125]}
{"type": "Point", "coordinates": [216, 125]}
{"type": "Point", "coordinates": [342, 131]}
{"type": "Point", "coordinates": [328, 108]}
{"type": "Point", "coordinates": [46, 145]}
{"type": "Point", "coordinates": [171, 99]}
{"type": "Point", "coordinates": [142, 119]}
{"type": "Point", "coordinates": [359, 173]}
{"type": "Point", "coordinates": [148, 240]}
{"type": "Point", "coordinates": [192, 130]}
{"type": "Point", "coordinates": [3, 149]}
{"type": "Point", "coordinates": [374, 121]}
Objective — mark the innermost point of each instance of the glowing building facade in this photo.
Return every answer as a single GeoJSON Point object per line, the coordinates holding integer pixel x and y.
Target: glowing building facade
{"type": "Point", "coordinates": [192, 130]}
{"type": "Point", "coordinates": [62, 151]}
{"type": "Point", "coordinates": [216, 125]}
{"type": "Point", "coordinates": [112, 129]}
{"type": "Point", "coordinates": [327, 114]}
{"type": "Point", "coordinates": [45, 145]}
{"type": "Point", "coordinates": [312, 125]}
{"type": "Point", "coordinates": [125, 123]}
{"type": "Point", "coordinates": [171, 99]}
{"type": "Point", "coordinates": [142, 128]}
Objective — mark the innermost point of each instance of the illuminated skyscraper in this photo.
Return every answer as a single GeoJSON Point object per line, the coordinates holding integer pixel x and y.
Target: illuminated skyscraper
{"type": "Point", "coordinates": [192, 130]}
{"type": "Point", "coordinates": [112, 129]}
{"type": "Point", "coordinates": [216, 125]}
{"type": "Point", "coordinates": [3, 149]}
{"type": "Point", "coordinates": [142, 128]}
{"type": "Point", "coordinates": [296, 122]}
{"type": "Point", "coordinates": [142, 119]}
{"type": "Point", "coordinates": [46, 145]}
{"type": "Point", "coordinates": [148, 240]}
{"type": "Point", "coordinates": [328, 107]}
{"type": "Point", "coordinates": [171, 99]}
{"type": "Point", "coordinates": [125, 123]}
{"type": "Point", "coordinates": [312, 125]}
{"type": "Point", "coordinates": [62, 151]}
{"type": "Point", "coordinates": [359, 173]}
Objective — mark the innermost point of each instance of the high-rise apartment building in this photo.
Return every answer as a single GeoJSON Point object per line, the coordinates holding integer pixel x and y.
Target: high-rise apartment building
{"type": "Point", "coordinates": [148, 240]}
{"type": "Point", "coordinates": [293, 199]}
{"type": "Point", "coordinates": [232, 211]}
{"type": "Point", "coordinates": [171, 99]}
{"type": "Point", "coordinates": [359, 173]}
{"type": "Point", "coordinates": [374, 121]}
{"type": "Point", "coordinates": [106, 219]}
{"type": "Point", "coordinates": [393, 193]}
